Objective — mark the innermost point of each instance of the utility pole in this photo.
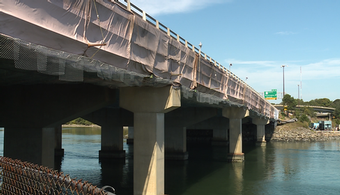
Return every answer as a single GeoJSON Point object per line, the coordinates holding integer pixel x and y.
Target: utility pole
{"type": "Point", "coordinates": [283, 71]}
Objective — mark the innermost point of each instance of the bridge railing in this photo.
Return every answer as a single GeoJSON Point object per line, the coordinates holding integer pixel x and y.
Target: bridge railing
{"type": "Point", "coordinates": [136, 10]}
{"type": "Point", "coordinates": [248, 94]}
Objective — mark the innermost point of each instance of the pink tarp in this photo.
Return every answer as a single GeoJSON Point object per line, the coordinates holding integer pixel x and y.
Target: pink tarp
{"type": "Point", "coordinates": [124, 40]}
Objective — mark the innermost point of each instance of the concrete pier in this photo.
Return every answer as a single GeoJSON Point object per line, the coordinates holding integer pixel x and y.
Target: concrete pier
{"type": "Point", "coordinates": [176, 123]}
{"type": "Point", "coordinates": [39, 110]}
{"type": "Point", "coordinates": [34, 145]}
{"type": "Point", "coordinates": [111, 119]}
{"type": "Point", "coordinates": [149, 105]}
{"type": "Point", "coordinates": [235, 116]}
{"type": "Point", "coordinates": [220, 131]}
{"type": "Point", "coordinates": [220, 138]}
{"type": "Point", "coordinates": [261, 131]}
{"type": "Point", "coordinates": [58, 150]}
{"type": "Point", "coordinates": [129, 140]}
{"type": "Point", "coordinates": [176, 143]}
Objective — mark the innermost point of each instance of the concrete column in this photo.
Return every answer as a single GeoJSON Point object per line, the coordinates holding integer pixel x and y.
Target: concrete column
{"type": "Point", "coordinates": [175, 129]}
{"type": "Point", "coordinates": [235, 116]}
{"type": "Point", "coordinates": [35, 145]}
{"type": "Point", "coordinates": [261, 131]}
{"type": "Point", "coordinates": [176, 143]}
{"type": "Point", "coordinates": [149, 153]}
{"type": "Point", "coordinates": [149, 105]}
{"type": "Point", "coordinates": [130, 135]}
{"type": "Point", "coordinates": [58, 150]}
{"type": "Point", "coordinates": [111, 121]}
{"type": "Point", "coordinates": [219, 125]}
{"type": "Point", "coordinates": [35, 107]}
{"type": "Point", "coordinates": [112, 141]}
{"type": "Point", "coordinates": [220, 132]}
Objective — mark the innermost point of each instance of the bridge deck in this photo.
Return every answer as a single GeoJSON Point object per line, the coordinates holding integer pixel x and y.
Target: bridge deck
{"type": "Point", "coordinates": [103, 43]}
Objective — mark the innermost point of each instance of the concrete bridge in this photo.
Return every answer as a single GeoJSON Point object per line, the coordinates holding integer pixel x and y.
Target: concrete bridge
{"type": "Point", "coordinates": [115, 65]}
{"type": "Point", "coordinates": [319, 109]}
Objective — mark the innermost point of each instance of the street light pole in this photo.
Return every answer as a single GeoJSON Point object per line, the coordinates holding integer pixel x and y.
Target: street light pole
{"type": "Point", "coordinates": [230, 66]}
{"type": "Point", "coordinates": [283, 71]}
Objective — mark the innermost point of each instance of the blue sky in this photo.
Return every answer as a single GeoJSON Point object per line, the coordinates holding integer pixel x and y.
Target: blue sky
{"type": "Point", "coordinates": [257, 37]}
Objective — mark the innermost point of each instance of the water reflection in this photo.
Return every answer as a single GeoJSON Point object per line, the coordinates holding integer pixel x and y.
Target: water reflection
{"type": "Point", "coordinates": [117, 173]}
{"type": "Point", "coordinates": [279, 168]}
{"type": "Point", "coordinates": [238, 177]}
{"type": "Point", "coordinates": [81, 135]}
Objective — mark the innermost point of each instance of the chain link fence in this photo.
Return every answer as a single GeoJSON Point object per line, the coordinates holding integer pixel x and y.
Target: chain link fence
{"type": "Point", "coordinates": [17, 177]}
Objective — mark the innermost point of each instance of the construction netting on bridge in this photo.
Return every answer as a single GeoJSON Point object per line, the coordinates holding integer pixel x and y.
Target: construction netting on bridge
{"type": "Point", "coordinates": [67, 38]}
{"type": "Point", "coordinates": [17, 177]}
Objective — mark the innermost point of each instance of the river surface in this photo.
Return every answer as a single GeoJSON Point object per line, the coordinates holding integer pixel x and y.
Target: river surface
{"type": "Point", "coordinates": [278, 168]}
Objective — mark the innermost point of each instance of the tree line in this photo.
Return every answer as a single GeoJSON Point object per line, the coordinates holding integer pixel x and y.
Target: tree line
{"type": "Point", "coordinates": [303, 113]}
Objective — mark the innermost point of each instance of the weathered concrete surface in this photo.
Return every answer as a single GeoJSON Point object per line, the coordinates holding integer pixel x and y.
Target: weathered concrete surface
{"type": "Point", "coordinates": [235, 116]}
{"type": "Point", "coordinates": [111, 120]}
{"type": "Point", "coordinates": [260, 126]}
{"type": "Point", "coordinates": [149, 106]}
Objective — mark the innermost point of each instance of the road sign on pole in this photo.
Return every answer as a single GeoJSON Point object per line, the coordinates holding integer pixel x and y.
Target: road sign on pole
{"type": "Point", "coordinates": [271, 95]}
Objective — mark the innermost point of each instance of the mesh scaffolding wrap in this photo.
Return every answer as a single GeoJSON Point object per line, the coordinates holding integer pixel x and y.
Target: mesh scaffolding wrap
{"type": "Point", "coordinates": [25, 178]}
{"type": "Point", "coordinates": [135, 50]}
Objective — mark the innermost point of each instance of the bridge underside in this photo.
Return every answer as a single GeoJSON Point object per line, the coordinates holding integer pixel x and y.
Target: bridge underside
{"type": "Point", "coordinates": [162, 86]}
{"type": "Point", "coordinates": [37, 101]}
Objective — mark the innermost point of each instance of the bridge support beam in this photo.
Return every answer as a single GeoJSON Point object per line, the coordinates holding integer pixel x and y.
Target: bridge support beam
{"type": "Point", "coordinates": [220, 141]}
{"type": "Point", "coordinates": [175, 129]}
{"type": "Point", "coordinates": [31, 144]}
{"type": "Point", "coordinates": [261, 131]}
{"type": "Point", "coordinates": [111, 120]}
{"type": "Point", "coordinates": [235, 116]}
{"type": "Point", "coordinates": [220, 131]}
{"type": "Point", "coordinates": [31, 120]}
{"type": "Point", "coordinates": [112, 142]}
{"type": "Point", "coordinates": [129, 140]}
{"type": "Point", "coordinates": [58, 150]}
{"type": "Point", "coordinates": [219, 125]}
{"type": "Point", "coordinates": [149, 105]}
{"type": "Point", "coordinates": [176, 143]}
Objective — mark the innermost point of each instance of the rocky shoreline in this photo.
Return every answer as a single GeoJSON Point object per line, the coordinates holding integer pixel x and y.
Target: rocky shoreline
{"type": "Point", "coordinates": [285, 133]}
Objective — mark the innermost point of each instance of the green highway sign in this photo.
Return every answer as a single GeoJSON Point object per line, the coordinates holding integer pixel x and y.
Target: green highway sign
{"type": "Point", "coordinates": [270, 95]}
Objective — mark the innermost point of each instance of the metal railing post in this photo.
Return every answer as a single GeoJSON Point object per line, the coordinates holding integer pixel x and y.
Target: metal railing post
{"type": "Point", "coordinates": [128, 5]}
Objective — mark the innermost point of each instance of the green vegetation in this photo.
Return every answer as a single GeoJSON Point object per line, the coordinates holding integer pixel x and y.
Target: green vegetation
{"type": "Point", "coordinates": [304, 115]}
{"type": "Point", "coordinates": [289, 101]}
{"type": "Point", "coordinates": [79, 121]}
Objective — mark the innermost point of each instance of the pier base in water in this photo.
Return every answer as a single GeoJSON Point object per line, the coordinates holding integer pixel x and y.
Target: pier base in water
{"type": "Point", "coordinates": [113, 154]}
{"type": "Point", "coordinates": [236, 157]}
{"type": "Point", "coordinates": [261, 143]}
{"type": "Point", "coordinates": [176, 155]}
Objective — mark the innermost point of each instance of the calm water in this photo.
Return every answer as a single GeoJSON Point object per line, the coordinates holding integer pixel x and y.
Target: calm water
{"type": "Point", "coordinates": [279, 168]}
